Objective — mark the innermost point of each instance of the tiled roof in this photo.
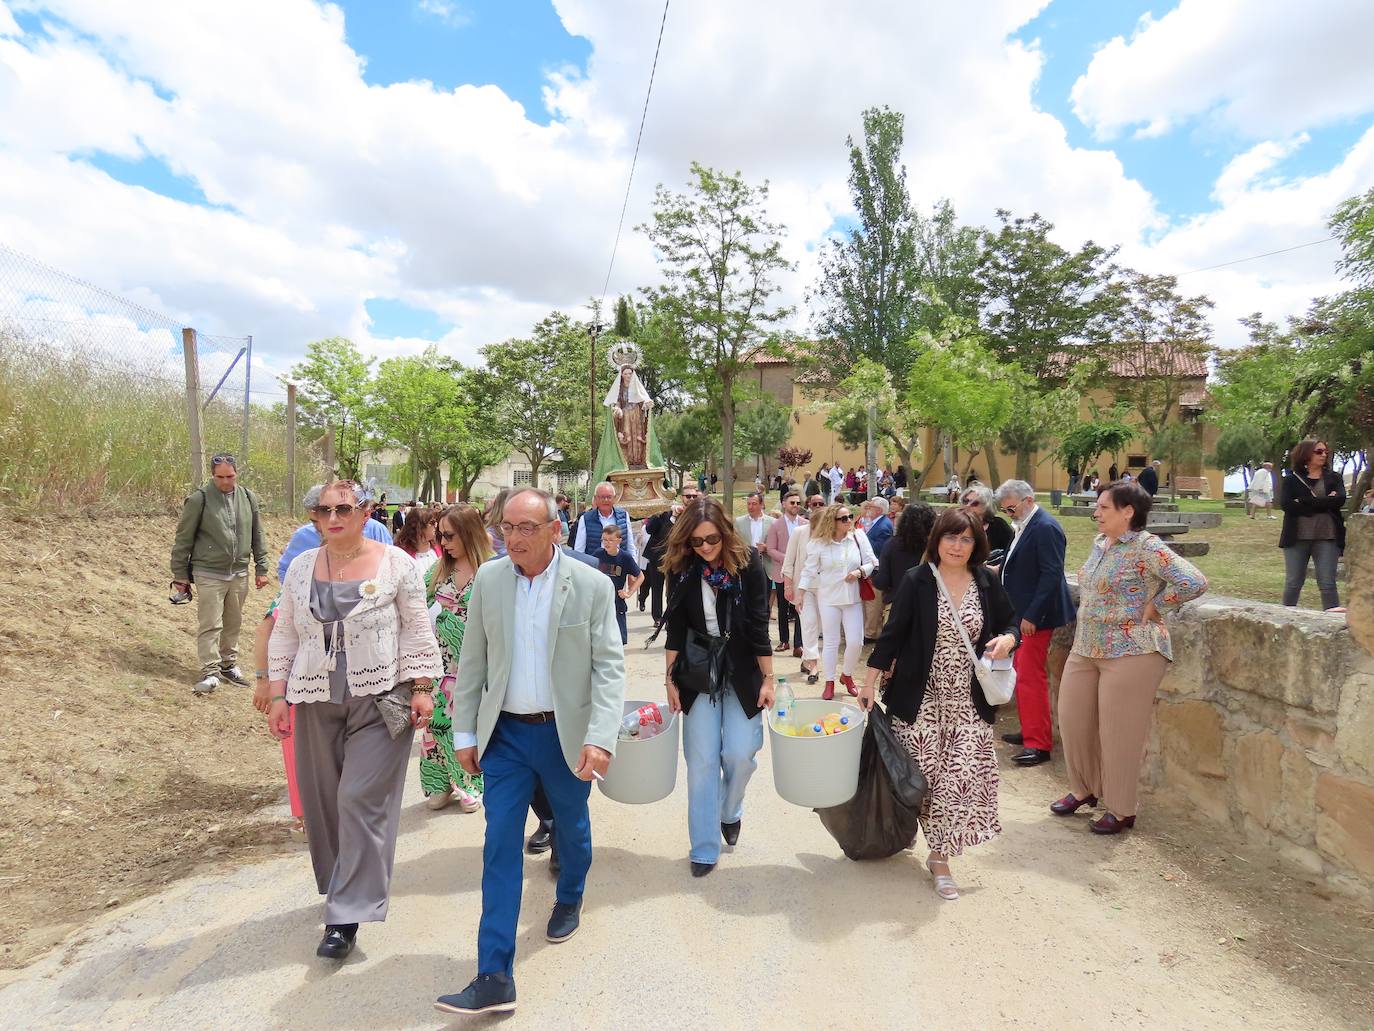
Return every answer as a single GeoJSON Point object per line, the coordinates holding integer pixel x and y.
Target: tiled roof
{"type": "Point", "coordinates": [1142, 363]}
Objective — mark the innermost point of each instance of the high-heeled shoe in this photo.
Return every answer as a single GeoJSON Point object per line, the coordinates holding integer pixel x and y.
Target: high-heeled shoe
{"type": "Point", "coordinates": [849, 684]}
{"type": "Point", "coordinates": [945, 886]}
{"type": "Point", "coordinates": [1068, 805]}
{"type": "Point", "coordinates": [829, 691]}
{"type": "Point", "coordinates": [1108, 823]}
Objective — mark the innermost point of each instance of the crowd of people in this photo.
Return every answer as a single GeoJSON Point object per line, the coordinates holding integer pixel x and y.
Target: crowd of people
{"type": "Point", "coordinates": [498, 635]}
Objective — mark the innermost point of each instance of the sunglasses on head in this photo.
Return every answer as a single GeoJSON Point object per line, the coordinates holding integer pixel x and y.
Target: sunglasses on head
{"type": "Point", "coordinates": [342, 511]}
{"type": "Point", "coordinates": [710, 538]}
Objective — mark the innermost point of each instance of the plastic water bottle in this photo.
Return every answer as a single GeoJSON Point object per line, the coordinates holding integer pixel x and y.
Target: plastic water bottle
{"type": "Point", "coordinates": [784, 706]}
{"type": "Point", "coordinates": [851, 716]}
{"type": "Point", "coordinates": [643, 723]}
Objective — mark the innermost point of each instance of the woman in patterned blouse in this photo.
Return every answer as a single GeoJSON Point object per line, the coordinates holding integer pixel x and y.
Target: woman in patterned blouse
{"type": "Point", "coordinates": [1120, 654]}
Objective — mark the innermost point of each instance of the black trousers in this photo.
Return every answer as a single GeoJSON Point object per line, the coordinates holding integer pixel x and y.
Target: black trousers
{"type": "Point", "coordinates": [653, 584]}
{"type": "Point", "coordinates": [788, 615]}
{"type": "Point", "coordinates": [540, 805]}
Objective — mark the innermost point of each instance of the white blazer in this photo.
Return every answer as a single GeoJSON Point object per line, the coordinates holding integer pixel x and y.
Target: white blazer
{"type": "Point", "coordinates": [828, 562]}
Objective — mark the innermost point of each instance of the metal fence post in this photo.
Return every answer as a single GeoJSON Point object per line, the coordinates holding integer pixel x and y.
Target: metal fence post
{"type": "Point", "coordinates": [188, 348]}
{"type": "Point", "coordinates": [247, 394]}
{"type": "Point", "coordinates": [291, 448]}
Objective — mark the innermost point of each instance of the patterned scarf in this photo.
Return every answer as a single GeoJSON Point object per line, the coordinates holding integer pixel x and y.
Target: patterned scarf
{"type": "Point", "coordinates": [719, 578]}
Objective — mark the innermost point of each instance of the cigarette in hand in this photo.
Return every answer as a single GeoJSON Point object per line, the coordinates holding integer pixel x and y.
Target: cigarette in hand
{"type": "Point", "coordinates": [598, 776]}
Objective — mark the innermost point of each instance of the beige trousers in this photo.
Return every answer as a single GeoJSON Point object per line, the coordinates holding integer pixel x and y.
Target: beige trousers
{"type": "Point", "coordinates": [1105, 707]}
{"type": "Point", "coordinates": [875, 614]}
{"type": "Point", "coordinates": [219, 609]}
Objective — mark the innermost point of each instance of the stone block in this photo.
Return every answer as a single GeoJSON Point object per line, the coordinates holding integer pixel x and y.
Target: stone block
{"type": "Point", "coordinates": [1293, 656]}
{"type": "Point", "coordinates": [1191, 745]}
{"type": "Point", "coordinates": [1311, 735]}
{"type": "Point", "coordinates": [1345, 823]}
{"type": "Point", "coordinates": [1189, 549]}
{"type": "Point", "coordinates": [1359, 563]}
{"type": "Point", "coordinates": [1355, 724]}
{"type": "Point", "coordinates": [1297, 815]}
{"type": "Point", "coordinates": [1257, 777]}
{"type": "Point", "coordinates": [1187, 674]}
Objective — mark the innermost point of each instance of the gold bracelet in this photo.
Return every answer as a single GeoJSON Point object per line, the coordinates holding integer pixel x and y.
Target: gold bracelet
{"type": "Point", "coordinates": [422, 688]}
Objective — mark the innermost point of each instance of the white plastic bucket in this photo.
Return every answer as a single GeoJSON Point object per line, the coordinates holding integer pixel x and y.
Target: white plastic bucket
{"type": "Point", "coordinates": [816, 772]}
{"type": "Point", "coordinates": [644, 771]}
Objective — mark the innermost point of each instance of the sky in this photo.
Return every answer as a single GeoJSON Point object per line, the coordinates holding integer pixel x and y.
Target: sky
{"type": "Point", "coordinates": [417, 172]}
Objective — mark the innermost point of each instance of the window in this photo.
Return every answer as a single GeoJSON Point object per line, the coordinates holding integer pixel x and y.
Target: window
{"type": "Point", "coordinates": [1137, 461]}
{"type": "Point", "coordinates": [520, 478]}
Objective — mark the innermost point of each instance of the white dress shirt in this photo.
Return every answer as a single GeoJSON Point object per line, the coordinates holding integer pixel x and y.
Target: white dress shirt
{"type": "Point", "coordinates": [529, 688]}
{"type": "Point", "coordinates": [755, 530]}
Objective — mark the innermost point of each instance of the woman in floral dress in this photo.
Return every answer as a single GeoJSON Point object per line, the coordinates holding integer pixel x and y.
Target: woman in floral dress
{"type": "Point", "coordinates": [463, 538]}
{"type": "Point", "coordinates": [937, 707]}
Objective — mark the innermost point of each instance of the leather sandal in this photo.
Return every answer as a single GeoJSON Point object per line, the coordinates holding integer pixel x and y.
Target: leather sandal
{"type": "Point", "coordinates": [944, 883]}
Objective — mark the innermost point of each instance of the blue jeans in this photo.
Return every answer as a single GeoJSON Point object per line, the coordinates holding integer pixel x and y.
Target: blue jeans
{"type": "Point", "coordinates": [1324, 556]}
{"type": "Point", "coordinates": [620, 622]}
{"type": "Point", "coordinates": [719, 743]}
{"type": "Point", "coordinates": [519, 756]}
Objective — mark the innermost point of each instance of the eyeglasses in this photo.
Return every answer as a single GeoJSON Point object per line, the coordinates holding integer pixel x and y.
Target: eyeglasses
{"type": "Point", "coordinates": [523, 529]}
{"type": "Point", "coordinates": [444, 536]}
{"type": "Point", "coordinates": [964, 540]}
{"type": "Point", "coordinates": [843, 518]}
{"type": "Point", "coordinates": [710, 538]}
{"type": "Point", "coordinates": [342, 511]}
{"type": "Point", "coordinates": [1319, 451]}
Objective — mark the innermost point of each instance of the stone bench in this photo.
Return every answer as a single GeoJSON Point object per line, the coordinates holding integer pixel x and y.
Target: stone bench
{"type": "Point", "coordinates": [1188, 549]}
{"type": "Point", "coordinates": [1167, 530]}
{"type": "Point", "coordinates": [1235, 503]}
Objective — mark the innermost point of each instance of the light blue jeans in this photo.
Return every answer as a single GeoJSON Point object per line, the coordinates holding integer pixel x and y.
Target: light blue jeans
{"type": "Point", "coordinates": [720, 744]}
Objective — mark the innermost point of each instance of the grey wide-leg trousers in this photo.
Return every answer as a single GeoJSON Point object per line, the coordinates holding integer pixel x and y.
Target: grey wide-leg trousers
{"type": "Point", "coordinates": [351, 773]}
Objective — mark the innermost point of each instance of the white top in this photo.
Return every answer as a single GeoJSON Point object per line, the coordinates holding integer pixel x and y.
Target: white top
{"type": "Point", "coordinates": [828, 562]}
{"type": "Point", "coordinates": [836, 477]}
{"type": "Point", "coordinates": [755, 530]}
{"type": "Point", "coordinates": [529, 689]}
{"type": "Point", "coordinates": [1262, 482]}
{"type": "Point", "coordinates": [708, 606]}
{"type": "Point", "coordinates": [1020, 525]}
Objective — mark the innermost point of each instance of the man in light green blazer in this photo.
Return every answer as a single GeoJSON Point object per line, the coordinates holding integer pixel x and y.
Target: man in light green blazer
{"type": "Point", "coordinates": [538, 700]}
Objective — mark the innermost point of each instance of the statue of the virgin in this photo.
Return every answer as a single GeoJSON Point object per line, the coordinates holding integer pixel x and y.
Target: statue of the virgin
{"type": "Point", "coordinates": [628, 441]}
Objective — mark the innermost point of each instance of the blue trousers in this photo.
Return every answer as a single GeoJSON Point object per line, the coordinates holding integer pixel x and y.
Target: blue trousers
{"type": "Point", "coordinates": [519, 756]}
{"type": "Point", "coordinates": [720, 744]}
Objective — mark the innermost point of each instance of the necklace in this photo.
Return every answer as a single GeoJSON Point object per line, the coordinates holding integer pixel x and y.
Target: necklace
{"type": "Point", "coordinates": [345, 559]}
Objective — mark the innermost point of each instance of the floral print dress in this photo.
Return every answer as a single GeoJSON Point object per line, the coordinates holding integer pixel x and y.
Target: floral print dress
{"type": "Point", "coordinates": [439, 770]}
{"type": "Point", "coordinates": [950, 742]}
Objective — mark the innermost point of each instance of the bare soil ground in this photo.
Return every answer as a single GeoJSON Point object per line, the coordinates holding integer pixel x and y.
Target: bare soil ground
{"type": "Point", "coordinates": [116, 779]}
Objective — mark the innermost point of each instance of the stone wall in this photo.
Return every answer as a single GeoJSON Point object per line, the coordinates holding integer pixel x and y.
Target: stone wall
{"type": "Point", "coordinates": [1265, 722]}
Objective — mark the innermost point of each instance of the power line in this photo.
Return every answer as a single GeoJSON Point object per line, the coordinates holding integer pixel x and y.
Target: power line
{"type": "Point", "coordinates": [1255, 257]}
{"type": "Point", "coordinates": [635, 160]}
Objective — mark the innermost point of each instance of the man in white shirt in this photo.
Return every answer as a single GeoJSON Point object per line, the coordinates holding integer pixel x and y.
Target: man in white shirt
{"type": "Point", "coordinates": [538, 700]}
{"type": "Point", "coordinates": [755, 525]}
{"type": "Point", "coordinates": [836, 483]}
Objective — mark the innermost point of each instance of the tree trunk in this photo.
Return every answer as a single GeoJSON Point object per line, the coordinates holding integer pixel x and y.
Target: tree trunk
{"type": "Point", "coordinates": [535, 463]}
{"type": "Point", "coordinates": [930, 466]}
{"type": "Point", "coordinates": [1362, 483]}
{"type": "Point", "coordinates": [993, 474]}
{"type": "Point", "coordinates": [1025, 464]}
{"type": "Point", "coordinates": [727, 429]}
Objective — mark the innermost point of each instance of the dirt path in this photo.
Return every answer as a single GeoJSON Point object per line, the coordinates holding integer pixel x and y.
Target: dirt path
{"type": "Point", "coordinates": [1057, 929]}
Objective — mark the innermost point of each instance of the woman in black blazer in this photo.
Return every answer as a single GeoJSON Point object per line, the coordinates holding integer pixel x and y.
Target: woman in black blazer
{"type": "Point", "coordinates": [906, 548]}
{"type": "Point", "coordinates": [937, 707]}
{"type": "Point", "coordinates": [1312, 497]}
{"type": "Point", "coordinates": [717, 587]}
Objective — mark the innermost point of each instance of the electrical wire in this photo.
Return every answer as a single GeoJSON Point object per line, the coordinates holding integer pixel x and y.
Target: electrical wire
{"type": "Point", "coordinates": [1255, 257]}
{"type": "Point", "coordinates": [625, 204]}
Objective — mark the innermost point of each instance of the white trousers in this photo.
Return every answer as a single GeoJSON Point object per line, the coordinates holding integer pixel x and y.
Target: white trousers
{"type": "Point", "coordinates": [810, 627]}
{"type": "Point", "coordinates": [851, 618]}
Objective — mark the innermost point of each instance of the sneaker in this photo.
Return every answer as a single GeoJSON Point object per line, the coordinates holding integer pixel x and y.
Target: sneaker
{"type": "Point", "coordinates": [563, 921]}
{"type": "Point", "coordinates": [468, 803]}
{"type": "Point", "coordinates": [205, 685]}
{"type": "Point", "coordinates": [488, 993]}
{"type": "Point", "coordinates": [235, 676]}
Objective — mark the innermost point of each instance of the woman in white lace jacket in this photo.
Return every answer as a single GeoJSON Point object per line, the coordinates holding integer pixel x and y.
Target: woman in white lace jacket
{"type": "Point", "coordinates": [353, 651]}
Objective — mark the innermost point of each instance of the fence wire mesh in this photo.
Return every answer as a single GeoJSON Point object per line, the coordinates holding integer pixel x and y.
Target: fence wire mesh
{"type": "Point", "coordinates": [94, 403]}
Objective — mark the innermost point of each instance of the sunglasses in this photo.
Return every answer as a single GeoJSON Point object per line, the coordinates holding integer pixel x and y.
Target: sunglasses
{"type": "Point", "coordinates": [1319, 451]}
{"type": "Point", "coordinates": [843, 518]}
{"type": "Point", "coordinates": [710, 538]}
{"type": "Point", "coordinates": [342, 511]}
{"type": "Point", "coordinates": [444, 535]}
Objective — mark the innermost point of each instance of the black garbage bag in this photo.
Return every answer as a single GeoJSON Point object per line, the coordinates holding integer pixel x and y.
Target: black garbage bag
{"type": "Point", "coordinates": [882, 817]}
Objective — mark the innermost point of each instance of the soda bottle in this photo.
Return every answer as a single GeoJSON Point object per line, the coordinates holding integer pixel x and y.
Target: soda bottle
{"type": "Point", "coordinates": [830, 722]}
{"type": "Point", "coordinates": [784, 714]}
{"type": "Point", "coordinates": [643, 723]}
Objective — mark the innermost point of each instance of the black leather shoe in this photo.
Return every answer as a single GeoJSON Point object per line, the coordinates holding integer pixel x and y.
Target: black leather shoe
{"type": "Point", "coordinates": [542, 838]}
{"type": "Point", "coordinates": [488, 993]}
{"type": "Point", "coordinates": [1109, 823]}
{"type": "Point", "coordinates": [1068, 805]}
{"type": "Point", "coordinates": [555, 867]}
{"type": "Point", "coordinates": [338, 941]}
{"type": "Point", "coordinates": [730, 832]}
{"type": "Point", "coordinates": [1031, 757]}
{"type": "Point", "coordinates": [702, 869]}
{"type": "Point", "coordinates": [1014, 739]}
{"type": "Point", "coordinates": [563, 921]}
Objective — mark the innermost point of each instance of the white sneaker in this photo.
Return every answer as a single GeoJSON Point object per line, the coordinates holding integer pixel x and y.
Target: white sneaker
{"type": "Point", "coordinates": [206, 685]}
{"type": "Point", "coordinates": [234, 675]}
{"type": "Point", "coordinates": [439, 799]}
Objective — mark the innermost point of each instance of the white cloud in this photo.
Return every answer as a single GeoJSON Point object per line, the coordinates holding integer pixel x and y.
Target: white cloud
{"type": "Point", "coordinates": [451, 14]}
{"type": "Point", "coordinates": [1259, 68]}
{"type": "Point", "coordinates": [328, 191]}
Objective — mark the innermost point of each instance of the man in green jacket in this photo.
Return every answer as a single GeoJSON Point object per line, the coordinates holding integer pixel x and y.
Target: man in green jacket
{"type": "Point", "coordinates": [218, 531]}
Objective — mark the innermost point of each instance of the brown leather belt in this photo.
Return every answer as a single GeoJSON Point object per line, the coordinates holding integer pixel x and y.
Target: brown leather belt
{"type": "Point", "coordinates": [530, 717]}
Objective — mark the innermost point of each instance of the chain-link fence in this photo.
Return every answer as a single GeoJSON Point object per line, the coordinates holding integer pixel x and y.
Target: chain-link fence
{"type": "Point", "coordinates": [105, 400]}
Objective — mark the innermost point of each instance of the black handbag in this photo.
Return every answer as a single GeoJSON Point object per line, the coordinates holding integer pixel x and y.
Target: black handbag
{"type": "Point", "coordinates": [704, 664]}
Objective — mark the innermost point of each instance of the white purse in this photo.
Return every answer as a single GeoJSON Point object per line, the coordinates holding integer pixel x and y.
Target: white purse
{"type": "Point", "coordinates": [996, 677]}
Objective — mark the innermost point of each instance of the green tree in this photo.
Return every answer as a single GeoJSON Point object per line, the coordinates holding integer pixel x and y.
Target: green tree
{"type": "Point", "coordinates": [416, 404]}
{"type": "Point", "coordinates": [689, 439]}
{"type": "Point", "coordinates": [947, 257]}
{"type": "Point", "coordinates": [1160, 344]}
{"type": "Point", "coordinates": [1176, 442]}
{"type": "Point", "coordinates": [867, 392]}
{"type": "Point", "coordinates": [762, 427]}
{"type": "Point", "coordinates": [333, 394]}
{"type": "Point", "coordinates": [1250, 389]}
{"type": "Point", "coordinates": [481, 444]}
{"type": "Point", "coordinates": [1084, 443]}
{"type": "Point", "coordinates": [539, 394]}
{"type": "Point", "coordinates": [957, 385]}
{"type": "Point", "coordinates": [868, 283]}
{"type": "Point", "coordinates": [719, 254]}
{"type": "Point", "coordinates": [1240, 449]}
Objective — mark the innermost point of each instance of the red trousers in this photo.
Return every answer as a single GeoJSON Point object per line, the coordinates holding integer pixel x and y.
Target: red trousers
{"type": "Point", "coordinates": [1033, 690]}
